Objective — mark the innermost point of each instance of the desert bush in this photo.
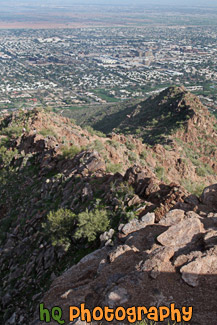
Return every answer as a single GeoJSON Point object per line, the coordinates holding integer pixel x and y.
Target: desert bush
{"type": "Point", "coordinates": [113, 168]}
{"type": "Point", "coordinates": [143, 154]}
{"type": "Point", "coordinates": [98, 145]}
{"type": "Point", "coordinates": [193, 188]}
{"type": "Point", "coordinates": [123, 191]}
{"type": "Point", "coordinates": [161, 175]}
{"type": "Point", "coordinates": [138, 131]}
{"type": "Point", "coordinates": [91, 224]}
{"type": "Point", "coordinates": [160, 172]}
{"type": "Point", "coordinates": [61, 225]}
{"type": "Point", "coordinates": [113, 143]}
{"type": "Point", "coordinates": [132, 156]}
{"type": "Point", "coordinates": [47, 132]}
{"type": "Point", "coordinates": [13, 131]}
{"type": "Point", "coordinates": [204, 169]}
{"type": "Point", "coordinates": [130, 145]}
{"type": "Point", "coordinates": [66, 228]}
{"type": "Point", "coordinates": [68, 152]}
{"type": "Point", "coordinates": [201, 171]}
{"type": "Point", "coordinates": [95, 132]}
{"type": "Point", "coordinates": [7, 155]}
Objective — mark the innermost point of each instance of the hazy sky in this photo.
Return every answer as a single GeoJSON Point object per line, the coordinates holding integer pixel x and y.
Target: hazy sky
{"type": "Point", "coordinates": [117, 2]}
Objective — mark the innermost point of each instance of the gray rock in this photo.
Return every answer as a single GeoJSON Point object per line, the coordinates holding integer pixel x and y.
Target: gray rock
{"type": "Point", "coordinates": [192, 214]}
{"type": "Point", "coordinates": [6, 299]}
{"type": "Point", "coordinates": [184, 259]}
{"type": "Point", "coordinates": [136, 224]}
{"type": "Point", "coordinates": [210, 238]}
{"type": "Point", "coordinates": [117, 297]}
{"type": "Point", "coordinates": [209, 197]}
{"type": "Point", "coordinates": [156, 259]}
{"type": "Point", "coordinates": [12, 320]}
{"type": "Point", "coordinates": [134, 201]}
{"type": "Point", "coordinates": [106, 235]}
{"type": "Point", "coordinates": [192, 199]}
{"type": "Point", "coordinates": [120, 250]}
{"type": "Point", "coordinates": [179, 235]}
{"type": "Point", "coordinates": [201, 266]}
{"type": "Point", "coordinates": [172, 217]}
{"type": "Point", "coordinates": [120, 227]}
{"type": "Point", "coordinates": [49, 257]}
{"type": "Point", "coordinates": [87, 191]}
{"type": "Point", "coordinates": [101, 266]}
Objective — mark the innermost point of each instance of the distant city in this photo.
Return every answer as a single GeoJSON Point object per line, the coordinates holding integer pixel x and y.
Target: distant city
{"type": "Point", "coordinates": [73, 67]}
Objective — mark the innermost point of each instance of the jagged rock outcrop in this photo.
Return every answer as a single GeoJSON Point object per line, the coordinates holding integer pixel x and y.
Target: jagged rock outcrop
{"type": "Point", "coordinates": [154, 265]}
{"type": "Point", "coordinates": [157, 231]}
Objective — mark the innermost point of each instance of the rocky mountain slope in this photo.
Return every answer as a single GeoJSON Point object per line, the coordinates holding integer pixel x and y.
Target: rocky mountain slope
{"type": "Point", "coordinates": [177, 120]}
{"type": "Point", "coordinates": [62, 186]}
{"type": "Point", "coordinates": [160, 117]}
{"type": "Point", "coordinates": [156, 118]}
{"type": "Point", "coordinates": [151, 264]}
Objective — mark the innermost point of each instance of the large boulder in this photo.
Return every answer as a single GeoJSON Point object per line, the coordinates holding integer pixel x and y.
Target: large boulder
{"type": "Point", "coordinates": [181, 234]}
{"type": "Point", "coordinates": [136, 224]}
{"type": "Point", "coordinates": [209, 197]}
{"type": "Point", "coordinates": [172, 217]}
{"type": "Point", "coordinates": [200, 267]}
{"type": "Point", "coordinates": [157, 261]}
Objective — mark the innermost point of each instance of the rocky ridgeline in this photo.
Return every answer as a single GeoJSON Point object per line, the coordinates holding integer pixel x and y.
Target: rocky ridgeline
{"type": "Point", "coordinates": [177, 119]}
{"type": "Point", "coordinates": [174, 260]}
{"type": "Point", "coordinates": [28, 260]}
{"type": "Point", "coordinates": [190, 152]}
{"type": "Point", "coordinates": [48, 163]}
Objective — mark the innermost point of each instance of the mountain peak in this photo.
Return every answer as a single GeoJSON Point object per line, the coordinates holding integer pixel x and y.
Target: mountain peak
{"type": "Point", "coordinates": [158, 118]}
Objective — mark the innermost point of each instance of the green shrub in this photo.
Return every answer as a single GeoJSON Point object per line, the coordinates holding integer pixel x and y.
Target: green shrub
{"type": "Point", "coordinates": [91, 224]}
{"type": "Point", "coordinates": [100, 134]}
{"type": "Point", "coordinates": [66, 228]}
{"type": "Point", "coordinates": [138, 131]}
{"type": "Point", "coordinates": [168, 147]}
{"type": "Point", "coordinates": [14, 131]}
{"type": "Point", "coordinates": [143, 154]}
{"type": "Point", "coordinates": [123, 192]}
{"type": "Point", "coordinates": [68, 152]}
{"type": "Point", "coordinates": [47, 132]}
{"type": "Point", "coordinates": [161, 175]}
{"type": "Point", "coordinates": [95, 132]}
{"type": "Point", "coordinates": [127, 216]}
{"type": "Point", "coordinates": [204, 170]}
{"type": "Point", "coordinates": [193, 188]}
{"type": "Point", "coordinates": [98, 145]}
{"type": "Point", "coordinates": [90, 130]}
{"type": "Point", "coordinates": [132, 156]}
{"type": "Point", "coordinates": [61, 225]}
{"type": "Point", "coordinates": [113, 143]}
{"type": "Point", "coordinates": [113, 168]}
{"type": "Point", "coordinates": [201, 171]}
{"type": "Point", "coordinates": [159, 171]}
{"type": "Point", "coordinates": [130, 145]}
{"type": "Point", "coordinates": [7, 155]}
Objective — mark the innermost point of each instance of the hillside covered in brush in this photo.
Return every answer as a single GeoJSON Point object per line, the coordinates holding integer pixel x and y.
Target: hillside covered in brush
{"type": "Point", "coordinates": [63, 186]}
{"type": "Point", "coordinates": [177, 121]}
